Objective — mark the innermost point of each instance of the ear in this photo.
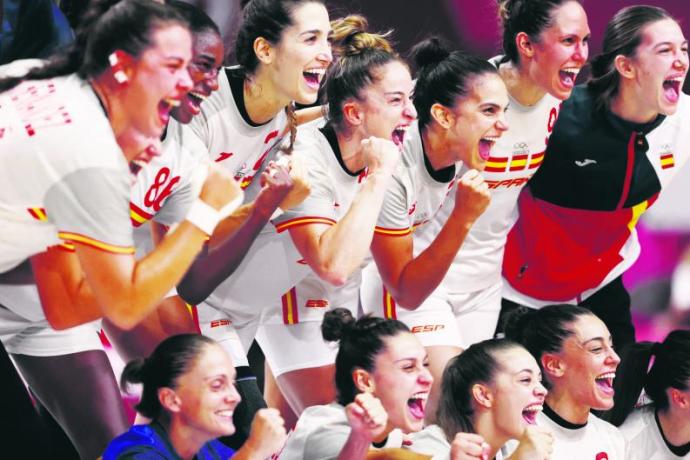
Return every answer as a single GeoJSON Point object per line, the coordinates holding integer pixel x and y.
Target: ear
{"type": "Point", "coordinates": [352, 113]}
{"type": "Point", "coordinates": [524, 45]}
{"type": "Point", "coordinates": [679, 398]}
{"type": "Point", "coordinates": [169, 399]}
{"type": "Point", "coordinates": [442, 115]}
{"type": "Point", "coordinates": [363, 381]}
{"type": "Point", "coordinates": [121, 66]}
{"type": "Point", "coordinates": [482, 395]}
{"type": "Point", "coordinates": [624, 66]}
{"type": "Point", "coordinates": [263, 50]}
{"type": "Point", "coordinates": [552, 365]}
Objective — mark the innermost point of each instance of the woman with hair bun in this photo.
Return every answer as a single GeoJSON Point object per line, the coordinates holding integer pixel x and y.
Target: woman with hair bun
{"type": "Point", "coordinates": [575, 352]}
{"type": "Point", "coordinates": [382, 385]}
{"type": "Point", "coordinates": [349, 157]}
{"type": "Point", "coordinates": [660, 430]}
{"type": "Point", "coordinates": [618, 141]}
{"type": "Point", "coordinates": [545, 44]}
{"type": "Point", "coordinates": [491, 393]}
{"type": "Point", "coordinates": [189, 394]}
{"type": "Point", "coordinates": [461, 103]}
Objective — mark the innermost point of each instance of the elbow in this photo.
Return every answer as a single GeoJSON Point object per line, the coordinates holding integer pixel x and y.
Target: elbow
{"type": "Point", "coordinates": [122, 320]}
{"type": "Point", "coordinates": [191, 293]}
{"type": "Point", "coordinates": [405, 300]}
{"type": "Point", "coordinates": [333, 275]}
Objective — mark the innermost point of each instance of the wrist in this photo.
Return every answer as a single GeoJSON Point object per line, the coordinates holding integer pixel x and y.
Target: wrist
{"type": "Point", "coordinates": [203, 216]}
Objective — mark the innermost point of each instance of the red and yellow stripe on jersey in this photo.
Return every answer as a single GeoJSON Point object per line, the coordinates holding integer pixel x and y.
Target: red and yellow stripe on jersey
{"type": "Point", "coordinates": [306, 220]}
{"type": "Point", "coordinates": [388, 305]}
{"type": "Point", "coordinates": [667, 161]}
{"type": "Point", "coordinates": [77, 238]}
{"type": "Point", "coordinates": [536, 160]}
{"type": "Point", "coordinates": [399, 231]}
{"type": "Point", "coordinates": [38, 213]}
{"type": "Point", "coordinates": [138, 215]}
{"type": "Point", "coordinates": [289, 300]}
{"type": "Point", "coordinates": [516, 163]}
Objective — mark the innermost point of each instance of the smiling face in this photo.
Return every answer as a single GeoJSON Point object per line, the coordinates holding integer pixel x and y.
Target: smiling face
{"type": "Point", "coordinates": [386, 105]}
{"type": "Point", "coordinates": [518, 394]}
{"type": "Point", "coordinates": [561, 51]}
{"type": "Point", "coordinates": [302, 55]}
{"type": "Point", "coordinates": [478, 120]}
{"type": "Point", "coordinates": [207, 394]}
{"type": "Point", "coordinates": [207, 56]}
{"type": "Point", "coordinates": [402, 381]}
{"type": "Point", "coordinates": [158, 80]}
{"type": "Point", "coordinates": [659, 67]}
{"type": "Point", "coordinates": [589, 364]}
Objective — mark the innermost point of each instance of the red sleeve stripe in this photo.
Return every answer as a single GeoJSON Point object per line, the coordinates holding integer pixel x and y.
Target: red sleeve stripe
{"type": "Point", "coordinates": [388, 305]}
{"type": "Point", "coordinates": [393, 231]}
{"type": "Point", "coordinates": [299, 221]}
{"type": "Point", "coordinates": [77, 238]}
{"type": "Point", "coordinates": [289, 301]}
{"type": "Point", "coordinates": [38, 214]}
{"type": "Point", "coordinates": [138, 215]}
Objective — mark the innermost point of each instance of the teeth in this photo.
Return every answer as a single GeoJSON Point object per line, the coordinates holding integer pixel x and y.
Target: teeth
{"type": "Point", "coordinates": [533, 408]}
{"type": "Point", "coordinates": [172, 102]}
{"type": "Point", "coordinates": [490, 138]}
{"type": "Point", "coordinates": [198, 95]}
{"type": "Point", "coordinates": [422, 395]}
{"type": "Point", "coordinates": [608, 375]}
{"type": "Point", "coordinates": [317, 71]}
{"type": "Point", "coordinates": [572, 70]}
{"type": "Point", "coordinates": [225, 413]}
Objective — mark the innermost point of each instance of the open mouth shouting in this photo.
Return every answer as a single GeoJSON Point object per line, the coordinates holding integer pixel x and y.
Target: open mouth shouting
{"type": "Point", "coordinates": [486, 143]}
{"type": "Point", "coordinates": [568, 76]}
{"type": "Point", "coordinates": [164, 108]}
{"type": "Point", "coordinates": [605, 383]}
{"type": "Point", "coordinates": [671, 88]}
{"type": "Point", "coordinates": [313, 77]}
{"type": "Point", "coordinates": [529, 413]}
{"type": "Point", "coordinates": [416, 405]}
{"type": "Point", "coordinates": [194, 100]}
{"type": "Point", "coordinates": [398, 134]}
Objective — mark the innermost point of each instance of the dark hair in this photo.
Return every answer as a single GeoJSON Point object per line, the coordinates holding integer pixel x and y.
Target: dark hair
{"type": "Point", "coordinates": [267, 19]}
{"type": "Point", "coordinates": [359, 55]}
{"type": "Point", "coordinates": [173, 357]}
{"type": "Point", "coordinates": [443, 76]}
{"type": "Point", "coordinates": [107, 25]}
{"type": "Point", "coordinates": [197, 19]}
{"type": "Point", "coordinates": [622, 37]}
{"type": "Point", "coordinates": [529, 16]}
{"type": "Point", "coordinates": [360, 342]}
{"type": "Point", "coordinates": [671, 369]}
{"type": "Point", "coordinates": [544, 330]}
{"type": "Point", "coordinates": [478, 364]}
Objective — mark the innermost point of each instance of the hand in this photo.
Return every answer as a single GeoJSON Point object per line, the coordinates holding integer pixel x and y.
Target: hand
{"type": "Point", "coordinates": [536, 443]}
{"type": "Point", "coordinates": [366, 416]}
{"type": "Point", "coordinates": [267, 435]}
{"type": "Point", "coordinates": [380, 155]}
{"type": "Point", "coordinates": [472, 196]}
{"type": "Point", "coordinates": [219, 188]}
{"type": "Point", "coordinates": [300, 189]}
{"type": "Point", "coordinates": [469, 446]}
{"type": "Point", "coordinates": [276, 183]}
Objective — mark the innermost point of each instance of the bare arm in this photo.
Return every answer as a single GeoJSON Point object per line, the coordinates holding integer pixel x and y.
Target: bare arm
{"type": "Point", "coordinates": [412, 279]}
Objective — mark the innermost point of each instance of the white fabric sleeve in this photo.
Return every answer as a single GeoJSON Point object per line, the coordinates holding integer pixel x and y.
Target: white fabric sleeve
{"type": "Point", "coordinates": [394, 217]}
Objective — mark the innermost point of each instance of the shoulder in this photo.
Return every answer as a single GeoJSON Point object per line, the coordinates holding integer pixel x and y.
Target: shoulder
{"type": "Point", "coordinates": [139, 439]}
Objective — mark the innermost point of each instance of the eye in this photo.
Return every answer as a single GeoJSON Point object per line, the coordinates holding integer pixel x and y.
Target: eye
{"type": "Point", "coordinates": [217, 385]}
{"type": "Point", "coordinates": [311, 39]}
{"type": "Point", "coordinates": [664, 50]}
{"type": "Point", "coordinates": [526, 380]}
{"type": "Point", "coordinates": [569, 40]}
{"type": "Point", "coordinates": [596, 350]}
{"type": "Point", "coordinates": [395, 101]}
{"type": "Point", "coordinates": [489, 111]}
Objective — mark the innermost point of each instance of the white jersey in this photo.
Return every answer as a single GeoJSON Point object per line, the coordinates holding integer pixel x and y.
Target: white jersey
{"type": "Point", "coordinates": [432, 441]}
{"type": "Point", "coordinates": [321, 432]}
{"type": "Point", "coordinates": [596, 440]}
{"type": "Point", "coordinates": [63, 175]}
{"type": "Point", "coordinates": [517, 155]}
{"type": "Point", "coordinates": [644, 439]}
{"type": "Point", "coordinates": [230, 139]}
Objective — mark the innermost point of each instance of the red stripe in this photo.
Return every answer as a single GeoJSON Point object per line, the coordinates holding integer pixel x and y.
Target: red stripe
{"type": "Point", "coordinates": [668, 155]}
{"type": "Point", "coordinates": [495, 169]}
{"type": "Point", "coordinates": [628, 170]}
{"type": "Point", "coordinates": [195, 318]}
{"type": "Point", "coordinates": [668, 166]}
{"type": "Point", "coordinates": [34, 214]}
{"type": "Point", "coordinates": [140, 211]}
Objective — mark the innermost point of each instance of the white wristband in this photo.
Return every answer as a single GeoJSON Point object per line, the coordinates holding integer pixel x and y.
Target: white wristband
{"type": "Point", "coordinates": [203, 216]}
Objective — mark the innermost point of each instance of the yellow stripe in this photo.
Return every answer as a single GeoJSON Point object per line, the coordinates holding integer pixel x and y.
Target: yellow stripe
{"type": "Point", "coordinates": [637, 210]}
{"type": "Point", "coordinates": [667, 161]}
{"type": "Point", "coordinates": [41, 215]}
{"type": "Point", "coordinates": [389, 306]}
{"type": "Point", "coordinates": [303, 221]}
{"type": "Point", "coordinates": [137, 217]}
{"type": "Point", "coordinates": [290, 307]}
{"type": "Point", "coordinates": [74, 237]}
{"type": "Point", "coordinates": [518, 163]}
{"type": "Point", "coordinates": [497, 164]}
{"type": "Point", "coordinates": [390, 232]}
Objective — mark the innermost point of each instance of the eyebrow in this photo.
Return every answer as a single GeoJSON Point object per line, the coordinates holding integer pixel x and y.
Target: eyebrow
{"type": "Point", "coordinates": [394, 93]}
{"type": "Point", "coordinates": [667, 43]}
{"type": "Point", "coordinates": [524, 370]}
{"type": "Point", "coordinates": [313, 31]}
{"type": "Point", "coordinates": [600, 339]}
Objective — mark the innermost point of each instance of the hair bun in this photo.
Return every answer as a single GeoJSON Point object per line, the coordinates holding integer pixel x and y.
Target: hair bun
{"type": "Point", "coordinates": [429, 52]}
{"type": "Point", "coordinates": [517, 321]}
{"type": "Point", "coordinates": [351, 37]}
{"type": "Point", "coordinates": [504, 7]}
{"type": "Point", "coordinates": [337, 323]}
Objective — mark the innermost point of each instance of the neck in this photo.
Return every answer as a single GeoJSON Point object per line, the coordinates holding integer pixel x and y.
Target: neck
{"type": "Point", "coordinates": [436, 146]}
{"type": "Point", "coordinates": [562, 403]}
{"type": "Point", "coordinates": [185, 440]}
{"type": "Point", "coordinates": [261, 98]}
{"type": "Point", "coordinates": [350, 145]}
{"type": "Point", "coordinates": [675, 426]}
{"type": "Point", "coordinates": [485, 425]}
{"type": "Point", "coordinates": [521, 86]}
{"type": "Point", "coordinates": [628, 105]}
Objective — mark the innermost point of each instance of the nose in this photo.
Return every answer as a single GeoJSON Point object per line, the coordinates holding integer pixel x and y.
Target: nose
{"type": "Point", "coordinates": [233, 396]}
{"type": "Point", "coordinates": [326, 54]}
{"type": "Point", "coordinates": [410, 110]}
{"type": "Point", "coordinates": [681, 62]}
{"type": "Point", "coordinates": [212, 81]}
{"type": "Point", "coordinates": [581, 52]}
{"type": "Point", "coordinates": [425, 376]}
{"type": "Point", "coordinates": [613, 358]}
{"type": "Point", "coordinates": [185, 83]}
{"type": "Point", "coordinates": [540, 390]}
{"type": "Point", "coordinates": [502, 123]}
